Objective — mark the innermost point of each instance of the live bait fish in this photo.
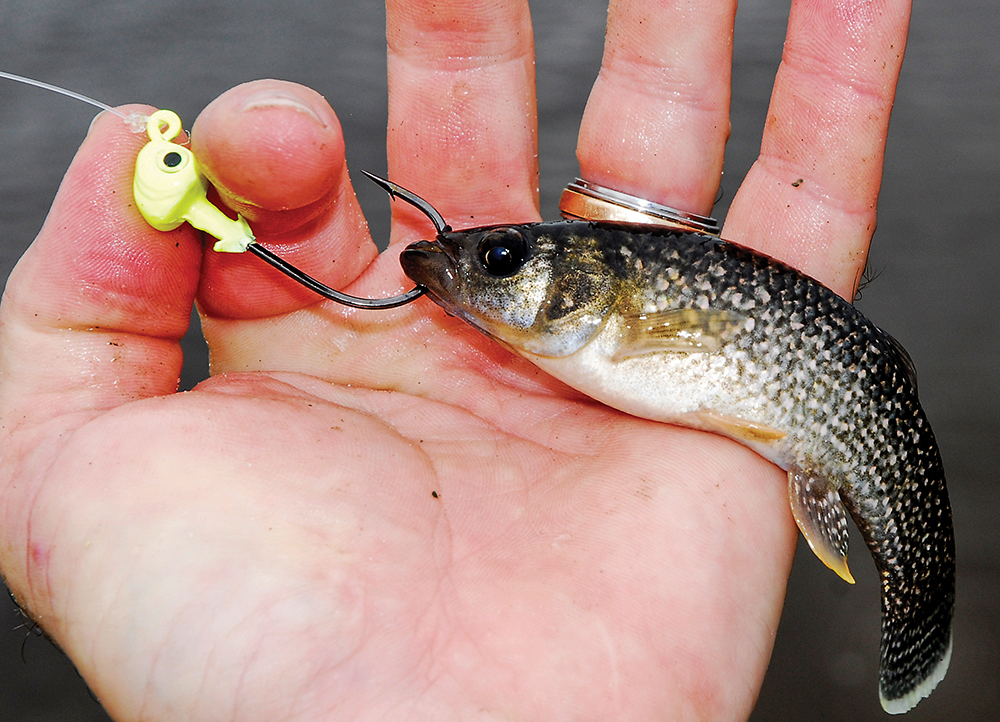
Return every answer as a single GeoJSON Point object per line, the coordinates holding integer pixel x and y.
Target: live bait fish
{"type": "Point", "coordinates": [693, 330]}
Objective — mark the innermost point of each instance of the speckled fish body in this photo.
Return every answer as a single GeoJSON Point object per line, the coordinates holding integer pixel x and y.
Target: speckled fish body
{"type": "Point", "coordinates": [688, 329]}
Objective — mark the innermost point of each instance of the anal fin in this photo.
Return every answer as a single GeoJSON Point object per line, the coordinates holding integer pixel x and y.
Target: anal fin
{"type": "Point", "coordinates": [821, 518]}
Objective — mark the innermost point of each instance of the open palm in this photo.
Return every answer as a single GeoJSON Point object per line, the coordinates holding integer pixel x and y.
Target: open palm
{"type": "Point", "coordinates": [385, 515]}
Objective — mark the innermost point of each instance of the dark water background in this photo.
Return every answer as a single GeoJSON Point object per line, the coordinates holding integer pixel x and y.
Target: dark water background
{"type": "Point", "coordinates": [936, 252]}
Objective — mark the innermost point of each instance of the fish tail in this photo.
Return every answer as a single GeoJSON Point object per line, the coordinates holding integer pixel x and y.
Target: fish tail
{"type": "Point", "coordinates": [914, 658]}
{"type": "Point", "coordinates": [916, 565]}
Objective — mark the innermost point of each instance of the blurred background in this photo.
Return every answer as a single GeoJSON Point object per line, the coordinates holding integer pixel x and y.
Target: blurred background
{"type": "Point", "coordinates": [936, 255]}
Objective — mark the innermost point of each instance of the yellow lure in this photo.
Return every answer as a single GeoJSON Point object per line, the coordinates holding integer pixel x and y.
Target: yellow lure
{"type": "Point", "coordinates": [170, 189]}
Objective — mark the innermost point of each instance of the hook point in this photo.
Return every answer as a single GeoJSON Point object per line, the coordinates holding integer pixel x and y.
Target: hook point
{"type": "Point", "coordinates": [397, 191]}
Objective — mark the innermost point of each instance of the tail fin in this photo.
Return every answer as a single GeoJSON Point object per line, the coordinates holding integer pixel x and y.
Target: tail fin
{"type": "Point", "coordinates": [914, 550]}
{"type": "Point", "coordinates": [905, 518]}
{"type": "Point", "coordinates": [916, 644]}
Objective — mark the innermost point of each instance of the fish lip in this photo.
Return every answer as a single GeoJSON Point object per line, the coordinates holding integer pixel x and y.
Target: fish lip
{"type": "Point", "coordinates": [424, 262]}
{"type": "Point", "coordinates": [418, 247]}
{"type": "Point", "coordinates": [410, 258]}
{"type": "Point", "coordinates": [429, 264]}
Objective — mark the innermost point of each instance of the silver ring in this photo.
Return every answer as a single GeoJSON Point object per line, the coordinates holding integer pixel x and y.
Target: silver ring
{"type": "Point", "coordinates": [583, 200]}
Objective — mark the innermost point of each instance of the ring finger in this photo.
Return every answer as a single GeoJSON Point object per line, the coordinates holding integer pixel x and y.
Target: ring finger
{"type": "Point", "coordinates": [657, 120]}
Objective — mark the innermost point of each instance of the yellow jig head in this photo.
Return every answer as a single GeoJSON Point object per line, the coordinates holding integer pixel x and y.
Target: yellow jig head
{"type": "Point", "coordinates": [170, 189]}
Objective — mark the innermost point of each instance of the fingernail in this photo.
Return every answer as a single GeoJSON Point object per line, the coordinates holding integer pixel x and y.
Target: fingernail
{"type": "Point", "coordinates": [275, 98]}
{"type": "Point", "coordinates": [97, 117]}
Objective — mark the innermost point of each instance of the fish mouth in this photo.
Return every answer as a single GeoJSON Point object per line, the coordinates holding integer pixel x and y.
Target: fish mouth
{"type": "Point", "coordinates": [433, 265]}
{"type": "Point", "coordinates": [425, 261]}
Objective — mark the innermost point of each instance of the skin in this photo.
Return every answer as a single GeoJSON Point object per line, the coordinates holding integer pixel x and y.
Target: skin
{"type": "Point", "coordinates": [384, 515]}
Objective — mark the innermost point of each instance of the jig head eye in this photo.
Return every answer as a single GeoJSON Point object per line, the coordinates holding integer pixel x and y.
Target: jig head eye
{"type": "Point", "coordinates": [174, 161]}
{"type": "Point", "coordinates": [502, 252]}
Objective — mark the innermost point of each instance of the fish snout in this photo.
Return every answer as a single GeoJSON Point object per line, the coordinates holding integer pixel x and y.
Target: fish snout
{"type": "Point", "coordinates": [430, 264]}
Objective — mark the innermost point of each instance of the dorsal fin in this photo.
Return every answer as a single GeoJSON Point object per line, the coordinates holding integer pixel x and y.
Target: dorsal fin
{"type": "Point", "coordinates": [905, 360]}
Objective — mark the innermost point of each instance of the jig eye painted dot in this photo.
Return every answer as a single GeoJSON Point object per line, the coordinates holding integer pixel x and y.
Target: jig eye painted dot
{"type": "Point", "coordinates": [502, 252]}
{"type": "Point", "coordinates": [172, 160]}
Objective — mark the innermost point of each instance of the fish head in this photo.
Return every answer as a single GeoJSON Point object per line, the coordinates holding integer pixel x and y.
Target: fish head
{"type": "Point", "coordinates": [538, 288]}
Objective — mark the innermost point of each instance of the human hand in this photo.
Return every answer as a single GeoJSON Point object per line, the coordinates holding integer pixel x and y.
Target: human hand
{"type": "Point", "coordinates": [378, 514]}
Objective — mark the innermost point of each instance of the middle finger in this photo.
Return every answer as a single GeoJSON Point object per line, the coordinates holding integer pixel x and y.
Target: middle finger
{"type": "Point", "coordinates": [462, 113]}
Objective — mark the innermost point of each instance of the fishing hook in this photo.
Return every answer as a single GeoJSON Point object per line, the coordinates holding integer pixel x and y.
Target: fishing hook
{"type": "Point", "coordinates": [394, 191]}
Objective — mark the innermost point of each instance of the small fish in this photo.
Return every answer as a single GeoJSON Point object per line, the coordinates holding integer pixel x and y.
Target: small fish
{"type": "Point", "coordinates": [689, 329]}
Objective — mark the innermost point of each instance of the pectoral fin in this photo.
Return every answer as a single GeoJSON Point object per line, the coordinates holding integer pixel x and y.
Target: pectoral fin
{"type": "Point", "coordinates": [679, 329]}
{"type": "Point", "coordinates": [821, 518]}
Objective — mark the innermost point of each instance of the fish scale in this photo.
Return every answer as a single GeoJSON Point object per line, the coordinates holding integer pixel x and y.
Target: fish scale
{"type": "Point", "coordinates": [690, 329]}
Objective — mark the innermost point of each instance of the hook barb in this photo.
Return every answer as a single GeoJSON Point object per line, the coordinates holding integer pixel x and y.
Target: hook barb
{"type": "Point", "coordinates": [397, 191]}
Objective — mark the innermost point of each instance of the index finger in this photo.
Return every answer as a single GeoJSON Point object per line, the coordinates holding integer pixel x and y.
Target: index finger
{"type": "Point", "coordinates": [93, 313]}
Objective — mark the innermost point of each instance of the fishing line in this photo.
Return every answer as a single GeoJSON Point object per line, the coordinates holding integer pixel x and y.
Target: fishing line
{"type": "Point", "coordinates": [170, 190]}
{"type": "Point", "coordinates": [136, 121]}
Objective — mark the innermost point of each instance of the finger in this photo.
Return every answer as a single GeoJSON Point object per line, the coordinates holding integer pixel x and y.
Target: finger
{"type": "Point", "coordinates": [657, 119]}
{"type": "Point", "coordinates": [810, 198]}
{"type": "Point", "coordinates": [462, 114]}
{"type": "Point", "coordinates": [275, 153]}
{"type": "Point", "coordinates": [93, 313]}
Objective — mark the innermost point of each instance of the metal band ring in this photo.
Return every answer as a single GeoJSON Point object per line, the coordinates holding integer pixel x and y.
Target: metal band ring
{"type": "Point", "coordinates": [583, 200]}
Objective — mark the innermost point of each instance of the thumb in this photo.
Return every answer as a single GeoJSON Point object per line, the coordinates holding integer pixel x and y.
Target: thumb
{"type": "Point", "coordinates": [275, 152]}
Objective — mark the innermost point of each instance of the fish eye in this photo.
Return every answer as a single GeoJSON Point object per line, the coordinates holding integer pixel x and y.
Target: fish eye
{"type": "Point", "coordinates": [502, 252]}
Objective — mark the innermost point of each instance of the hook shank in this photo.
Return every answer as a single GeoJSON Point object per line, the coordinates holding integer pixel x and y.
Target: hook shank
{"type": "Point", "coordinates": [323, 290]}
